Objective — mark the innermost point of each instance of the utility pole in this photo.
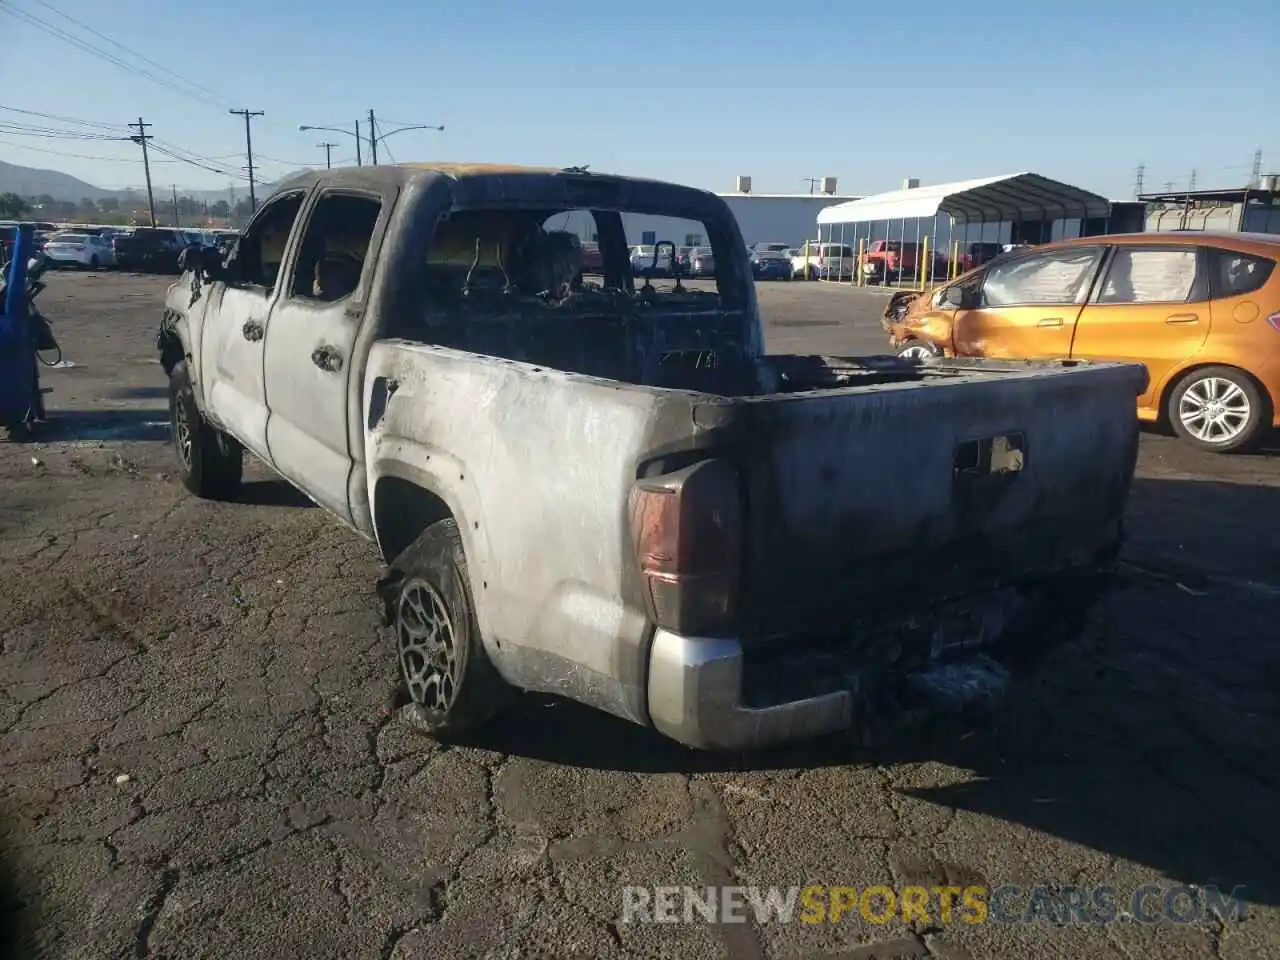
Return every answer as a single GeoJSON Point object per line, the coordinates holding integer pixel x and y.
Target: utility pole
{"type": "Point", "coordinates": [359, 163]}
{"type": "Point", "coordinates": [248, 147]}
{"type": "Point", "coordinates": [328, 154]}
{"type": "Point", "coordinates": [177, 222]}
{"type": "Point", "coordinates": [142, 139]}
{"type": "Point", "coordinates": [1137, 184]}
{"type": "Point", "coordinates": [1255, 180]}
{"type": "Point", "coordinates": [373, 139]}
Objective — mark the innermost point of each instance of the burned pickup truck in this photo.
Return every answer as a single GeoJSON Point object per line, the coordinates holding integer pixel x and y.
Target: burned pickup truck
{"type": "Point", "coordinates": [604, 489]}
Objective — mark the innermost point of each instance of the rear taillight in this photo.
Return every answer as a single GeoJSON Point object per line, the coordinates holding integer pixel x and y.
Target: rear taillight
{"type": "Point", "coordinates": [1274, 320]}
{"type": "Point", "coordinates": [687, 529]}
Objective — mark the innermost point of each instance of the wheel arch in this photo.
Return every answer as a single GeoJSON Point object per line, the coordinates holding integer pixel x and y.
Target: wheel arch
{"type": "Point", "coordinates": [402, 509]}
{"type": "Point", "coordinates": [1175, 378]}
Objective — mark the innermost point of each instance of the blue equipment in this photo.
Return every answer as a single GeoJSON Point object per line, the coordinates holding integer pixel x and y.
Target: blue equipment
{"type": "Point", "coordinates": [21, 327]}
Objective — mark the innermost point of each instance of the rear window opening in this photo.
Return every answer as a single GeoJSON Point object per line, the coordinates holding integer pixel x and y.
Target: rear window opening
{"type": "Point", "coordinates": [615, 293]}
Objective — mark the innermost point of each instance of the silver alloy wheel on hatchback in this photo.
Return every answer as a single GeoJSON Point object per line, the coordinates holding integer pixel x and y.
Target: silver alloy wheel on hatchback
{"type": "Point", "coordinates": [1214, 410]}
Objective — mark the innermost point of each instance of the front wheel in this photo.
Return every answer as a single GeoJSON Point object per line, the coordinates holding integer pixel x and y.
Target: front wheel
{"type": "Point", "coordinates": [212, 463]}
{"type": "Point", "coordinates": [1219, 409]}
{"type": "Point", "coordinates": [451, 685]}
{"type": "Point", "coordinates": [919, 350]}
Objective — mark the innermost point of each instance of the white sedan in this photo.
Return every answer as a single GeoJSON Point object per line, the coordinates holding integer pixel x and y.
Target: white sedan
{"type": "Point", "coordinates": [79, 250]}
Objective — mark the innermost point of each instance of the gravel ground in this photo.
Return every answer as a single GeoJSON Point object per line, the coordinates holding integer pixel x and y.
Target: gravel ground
{"type": "Point", "coordinates": [198, 761]}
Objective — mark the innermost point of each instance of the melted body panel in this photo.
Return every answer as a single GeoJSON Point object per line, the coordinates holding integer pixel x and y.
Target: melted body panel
{"type": "Point", "coordinates": [530, 425]}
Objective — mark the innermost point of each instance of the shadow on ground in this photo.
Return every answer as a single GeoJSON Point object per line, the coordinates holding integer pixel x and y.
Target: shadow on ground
{"type": "Point", "coordinates": [103, 425]}
{"type": "Point", "coordinates": [1156, 741]}
{"type": "Point", "coordinates": [271, 493]}
{"type": "Point", "coordinates": [17, 907]}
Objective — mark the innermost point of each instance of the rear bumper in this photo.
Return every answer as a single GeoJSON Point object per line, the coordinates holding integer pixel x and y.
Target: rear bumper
{"type": "Point", "coordinates": [710, 694]}
{"type": "Point", "coordinates": [696, 698]}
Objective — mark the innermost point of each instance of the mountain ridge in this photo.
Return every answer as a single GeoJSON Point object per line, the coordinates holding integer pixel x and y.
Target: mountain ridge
{"type": "Point", "coordinates": [37, 181]}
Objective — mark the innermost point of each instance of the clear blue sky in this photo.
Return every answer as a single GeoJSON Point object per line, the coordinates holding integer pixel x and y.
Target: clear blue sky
{"type": "Point", "coordinates": [696, 92]}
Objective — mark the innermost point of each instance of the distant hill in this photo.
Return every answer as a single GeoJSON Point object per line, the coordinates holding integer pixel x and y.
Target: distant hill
{"type": "Point", "coordinates": [33, 182]}
{"type": "Point", "coordinates": [30, 182]}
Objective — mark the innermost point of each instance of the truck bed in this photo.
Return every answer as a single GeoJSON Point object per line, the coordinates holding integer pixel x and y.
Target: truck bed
{"type": "Point", "coordinates": [876, 490]}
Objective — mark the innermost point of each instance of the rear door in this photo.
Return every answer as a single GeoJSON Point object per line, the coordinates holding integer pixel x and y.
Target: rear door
{"type": "Point", "coordinates": [1151, 307]}
{"type": "Point", "coordinates": [311, 343]}
{"type": "Point", "coordinates": [1029, 305]}
{"type": "Point", "coordinates": [232, 359]}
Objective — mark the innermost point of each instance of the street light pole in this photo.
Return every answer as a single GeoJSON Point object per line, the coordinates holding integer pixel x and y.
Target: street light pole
{"type": "Point", "coordinates": [345, 133]}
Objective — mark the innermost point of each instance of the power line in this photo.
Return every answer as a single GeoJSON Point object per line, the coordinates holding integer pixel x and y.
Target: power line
{"type": "Point", "coordinates": [248, 146]}
{"type": "Point", "coordinates": [60, 119]}
{"type": "Point", "coordinates": [96, 51]}
{"type": "Point", "coordinates": [76, 156]}
{"type": "Point", "coordinates": [132, 53]}
{"type": "Point", "coordinates": [142, 139]}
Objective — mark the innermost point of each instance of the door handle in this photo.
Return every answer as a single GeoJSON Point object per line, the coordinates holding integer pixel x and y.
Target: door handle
{"type": "Point", "coordinates": [1183, 318]}
{"type": "Point", "coordinates": [252, 330]}
{"type": "Point", "coordinates": [1050, 322]}
{"type": "Point", "coordinates": [327, 359]}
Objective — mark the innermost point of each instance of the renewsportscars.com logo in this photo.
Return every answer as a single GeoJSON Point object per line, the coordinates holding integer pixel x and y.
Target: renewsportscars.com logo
{"type": "Point", "coordinates": [941, 905]}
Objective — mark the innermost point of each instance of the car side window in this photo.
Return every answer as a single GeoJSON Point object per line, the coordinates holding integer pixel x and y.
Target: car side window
{"type": "Point", "coordinates": [1235, 274]}
{"type": "Point", "coordinates": [261, 250]}
{"type": "Point", "coordinates": [1052, 277]}
{"type": "Point", "coordinates": [1151, 276]}
{"type": "Point", "coordinates": [334, 247]}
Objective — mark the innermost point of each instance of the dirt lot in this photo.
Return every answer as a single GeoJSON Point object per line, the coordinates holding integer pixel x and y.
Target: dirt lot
{"type": "Point", "coordinates": [197, 760]}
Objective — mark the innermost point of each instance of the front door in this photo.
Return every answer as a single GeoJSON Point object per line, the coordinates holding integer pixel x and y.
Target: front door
{"type": "Point", "coordinates": [1152, 307]}
{"type": "Point", "coordinates": [1028, 305]}
{"type": "Point", "coordinates": [232, 357]}
{"type": "Point", "coordinates": [310, 347]}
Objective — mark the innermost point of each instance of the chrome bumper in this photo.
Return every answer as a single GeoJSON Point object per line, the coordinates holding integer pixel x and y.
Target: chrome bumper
{"type": "Point", "coordinates": [695, 697]}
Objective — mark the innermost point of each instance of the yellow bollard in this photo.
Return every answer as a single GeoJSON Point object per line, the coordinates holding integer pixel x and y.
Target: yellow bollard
{"type": "Point", "coordinates": [806, 259]}
{"type": "Point", "coordinates": [923, 265]}
{"type": "Point", "coordinates": [862, 252]}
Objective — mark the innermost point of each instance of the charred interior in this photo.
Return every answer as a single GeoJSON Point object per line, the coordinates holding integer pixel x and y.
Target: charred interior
{"type": "Point", "coordinates": [560, 288]}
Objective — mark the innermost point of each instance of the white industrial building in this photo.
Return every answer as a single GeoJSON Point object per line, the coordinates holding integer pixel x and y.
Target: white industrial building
{"type": "Point", "coordinates": [762, 217]}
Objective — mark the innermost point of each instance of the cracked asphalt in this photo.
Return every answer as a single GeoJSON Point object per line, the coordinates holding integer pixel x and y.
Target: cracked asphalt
{"type": "Point", "coordinates": [199, 758]}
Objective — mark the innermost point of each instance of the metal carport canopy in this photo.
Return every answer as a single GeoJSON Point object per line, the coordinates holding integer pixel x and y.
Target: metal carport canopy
{"type": "Point", "coordinates": [1014, 196]}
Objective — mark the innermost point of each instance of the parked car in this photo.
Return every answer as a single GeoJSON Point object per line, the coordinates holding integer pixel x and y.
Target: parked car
{"type": "Point", "coordinates": [1201, 312]}
{"type": "Point", "coordinates": [651, 262]}
{"type": "Point", "coordinates": [560, 489]}
{"type": "Point", "coordinates": [826, 261]}
{"type": "Point", "coordinates": [702, 262]}
{"type": "Point", "coordinates": [86, 250]}
{"type": "Point", "coordinates": [148, 250]}
{"type": "Point", "coordinates": [771, 265]}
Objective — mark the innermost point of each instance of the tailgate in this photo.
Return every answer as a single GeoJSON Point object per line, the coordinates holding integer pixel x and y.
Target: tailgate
{"type": "Point", "coordinates": [883, 500]}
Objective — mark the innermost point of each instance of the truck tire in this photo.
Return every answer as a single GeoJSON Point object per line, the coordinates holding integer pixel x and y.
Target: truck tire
{"type": "Point", "coordinates": [212, 463]}
{"type": "Point", "coordinates": [1219, 409]}
{"type": "Point", "coordinates": [450, 684]}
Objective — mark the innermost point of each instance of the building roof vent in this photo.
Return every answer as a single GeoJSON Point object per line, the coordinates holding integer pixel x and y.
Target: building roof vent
{"type": "Point", "coordinates": [910, 183]}
{"type": "Point", "coordinates": [744, 185]}
{"type": "Point", "coordinates": [829, 186]}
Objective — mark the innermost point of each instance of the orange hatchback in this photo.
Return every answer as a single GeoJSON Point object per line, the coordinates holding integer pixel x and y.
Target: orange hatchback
{"type": "Point", "coordinates": [1200, 310]}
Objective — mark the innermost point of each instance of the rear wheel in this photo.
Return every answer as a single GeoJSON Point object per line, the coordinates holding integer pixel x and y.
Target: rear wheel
{"type": "Point", "coordinates": [1219, 409]}
{"type": "Point", "coordinates": [451, 685]}
{"type": "Point", "coordinates": [212, 463]}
